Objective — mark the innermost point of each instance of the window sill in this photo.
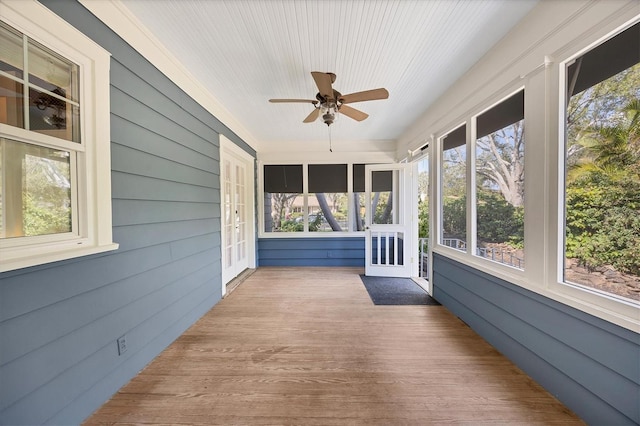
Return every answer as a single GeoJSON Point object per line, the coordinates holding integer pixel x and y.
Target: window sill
{"type": "Point", "coordinates": [28, 256]}
{"type": "Point", "coordinates": [333, 234]}
{"type": "Point", "coordinates": [614, 310]}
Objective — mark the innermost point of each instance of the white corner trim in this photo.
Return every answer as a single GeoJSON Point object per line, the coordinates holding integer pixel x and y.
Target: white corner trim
{"type": "Point", "coordinates": [117, 17]}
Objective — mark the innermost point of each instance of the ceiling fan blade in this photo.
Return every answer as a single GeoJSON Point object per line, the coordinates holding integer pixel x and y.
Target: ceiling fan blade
{"type": "Point", "coordinates": [323, 81]}
{"type": "Point", "coordinates": [313, 116]}
{"type": "Point", "coordinates": [352, 112]}
{"type": "Point", "coordinates": [306, 101]}
{"type": "Point", "coordinates": [367, 95]}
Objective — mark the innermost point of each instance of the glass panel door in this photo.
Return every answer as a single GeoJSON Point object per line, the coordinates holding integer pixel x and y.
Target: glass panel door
{"type": "Point", "coordinates": [236, 218]}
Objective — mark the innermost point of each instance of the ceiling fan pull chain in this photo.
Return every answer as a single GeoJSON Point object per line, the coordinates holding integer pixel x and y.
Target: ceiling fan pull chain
{"type": "Point", "coordinates": [330, 148]}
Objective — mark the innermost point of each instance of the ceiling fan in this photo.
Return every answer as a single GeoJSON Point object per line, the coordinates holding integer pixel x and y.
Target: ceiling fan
{"type": "Point", "coordinates": [329, 101]}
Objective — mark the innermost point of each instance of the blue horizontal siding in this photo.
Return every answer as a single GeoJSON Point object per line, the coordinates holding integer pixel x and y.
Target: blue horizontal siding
{"type": "Point", "coordinates": [589, 364]}
{"type": "Point", "coordinates": [338, 251]}
{"type": "Point", "coordinates": [59, 322]}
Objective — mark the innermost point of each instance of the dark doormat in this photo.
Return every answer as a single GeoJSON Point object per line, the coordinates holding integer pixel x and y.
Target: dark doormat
{"type": "Point", "coordinates": [396, 291]}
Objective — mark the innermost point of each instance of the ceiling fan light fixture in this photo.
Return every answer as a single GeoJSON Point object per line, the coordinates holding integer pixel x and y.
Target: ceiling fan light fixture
{"type": "Point", "coordinates": [328, 118]}
{"type": "Point", "coordinates": [329, 110]}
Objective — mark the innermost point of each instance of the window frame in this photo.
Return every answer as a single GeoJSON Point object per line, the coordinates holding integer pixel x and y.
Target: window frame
{"type": "Point", "coordinates": [91, 187]}
{"type": "Point", "coordinates": [472, 239]}
{"type": "Point", "coordinates": [608, 306]}
{"type": "Point", "coordinates": [440, 185]}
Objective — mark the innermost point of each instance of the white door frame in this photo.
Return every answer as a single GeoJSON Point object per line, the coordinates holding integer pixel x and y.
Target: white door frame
{"type": "Point", "coordinates": [230, 151]}
{"type": "Point", "coordinates": [425, 282]}
{"type": "Point", "coordinates": [388, 262]}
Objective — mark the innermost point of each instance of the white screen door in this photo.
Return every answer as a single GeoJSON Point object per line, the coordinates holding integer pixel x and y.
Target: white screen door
{"type": "Point", "coordinates": [387, 231]}
{"type": "Point", "coordinates": [237, 214]}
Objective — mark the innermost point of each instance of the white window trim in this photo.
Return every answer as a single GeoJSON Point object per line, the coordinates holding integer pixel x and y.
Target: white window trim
{"type": "Point", "coordinates": [94, 233]}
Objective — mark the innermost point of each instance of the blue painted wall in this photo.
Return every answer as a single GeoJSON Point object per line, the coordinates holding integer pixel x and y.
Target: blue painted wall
{"type": "Point", "coordinates": [591, 365]}
{"type": "Point", "coordinates": [338, 251]}
{"type": "Point", "coordinates": [59, 322]}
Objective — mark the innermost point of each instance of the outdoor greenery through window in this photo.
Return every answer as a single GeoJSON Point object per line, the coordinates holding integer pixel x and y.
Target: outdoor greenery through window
{"type": "Point", "coordinates": [454, 189]}
{"type": "Point", "coordinates": [602, 182]}
{"type": "Point", "coordinates": [499, 169]}
{"type": "Point", "coordinates": [423, 216]}
{"type": "Point", "coordinates": [43, 190]}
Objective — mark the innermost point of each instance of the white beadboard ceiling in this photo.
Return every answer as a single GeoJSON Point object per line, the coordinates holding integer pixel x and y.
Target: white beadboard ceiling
{"type": "Point", "coordinates": [245, 52]}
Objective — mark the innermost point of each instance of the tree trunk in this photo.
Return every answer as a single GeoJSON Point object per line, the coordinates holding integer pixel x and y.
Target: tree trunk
{"type": "Point", "coordinates": [387, 209]}
{"type": "Point", "coordinates": [356, 203]}
{"type": "Point", "coordinates": [505, 166]}
{"type": "Point", "coordinates": [326, 211]}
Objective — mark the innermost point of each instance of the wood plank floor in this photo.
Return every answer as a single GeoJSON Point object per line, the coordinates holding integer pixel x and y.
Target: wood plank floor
{"type": "Point", "coordinates": [306, 346]}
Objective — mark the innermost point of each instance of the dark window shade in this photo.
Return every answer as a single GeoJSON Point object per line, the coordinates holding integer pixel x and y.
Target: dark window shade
{"type": "Point", "coordinates": [283, 179]}
{"type": "Point", "coordinates": [358, 178]}
{"type": "Point", "coordinates": [327, 178]}
{"type": "Point", "coordinates": [381, 181]}
{"type": "Point", "coordinates": [507, 112]}
{"type": "Point", "coordinates": [611, 57]}
{"type": "Point", "coordinates": [455, 138]}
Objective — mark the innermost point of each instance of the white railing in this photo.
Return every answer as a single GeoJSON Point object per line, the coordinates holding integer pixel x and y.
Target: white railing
{"type": "Point", "coordinates": [386, 246]}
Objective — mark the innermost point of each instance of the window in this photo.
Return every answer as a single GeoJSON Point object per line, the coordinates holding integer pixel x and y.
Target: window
{"type": "Point", "coordinates": [313, 198]}
{"type": "Point", "coordinates": [499, 188]}
{"type": "Point", "coordinates": [454, 189]}
{"type": "Point", "coordinates": [283, 199]}
{"type": "Point", "coordinates": [381, 201]}
{"type": "Point", "coordinates": [383, 208]}
{"type": "Point", "coordinates": [54, 140]}
{"type": "Point", "coordinates": [602, 168]}
{"type": "Point", "coordinates": [328, 198]}
{"type": "Point", "coordinates": [359, 209]}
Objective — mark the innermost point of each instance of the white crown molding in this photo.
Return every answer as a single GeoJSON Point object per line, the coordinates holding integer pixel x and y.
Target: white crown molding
{"type": "Point", "coordinates": [117, 17]}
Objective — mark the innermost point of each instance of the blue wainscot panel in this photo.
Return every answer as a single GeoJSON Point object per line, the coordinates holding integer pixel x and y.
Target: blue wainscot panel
{"type": "Point", "coordinates": [589, 364]}
{"type": "Point", "coordinates": [340, 251]}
